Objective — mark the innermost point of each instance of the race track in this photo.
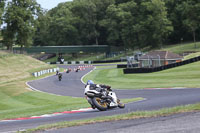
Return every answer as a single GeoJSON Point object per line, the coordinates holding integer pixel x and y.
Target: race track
{"type": "Point", "coordinates": [71, 85]}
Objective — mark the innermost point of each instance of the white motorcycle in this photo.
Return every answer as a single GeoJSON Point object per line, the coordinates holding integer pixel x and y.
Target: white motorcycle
{"type": "Point", "coordinates": [101, 98]}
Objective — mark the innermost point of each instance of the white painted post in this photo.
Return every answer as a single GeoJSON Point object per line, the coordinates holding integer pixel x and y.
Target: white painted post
{"type": "Point", "coordinates": [35, 74]}
{"type": "Point", "coordinates": [81, 62]}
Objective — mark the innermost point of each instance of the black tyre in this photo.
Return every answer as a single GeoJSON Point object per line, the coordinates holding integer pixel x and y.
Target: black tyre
{"type": "Point", "coordinates": [121, 105]}
{"type": "Point", "coordinates": [102, 106]}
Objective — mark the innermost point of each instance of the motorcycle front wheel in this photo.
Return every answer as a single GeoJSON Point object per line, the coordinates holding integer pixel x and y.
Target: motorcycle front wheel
{"type": "Point", "coordinates": [121, 105]}
{"type": "Point", "coordinates": [100, 104]}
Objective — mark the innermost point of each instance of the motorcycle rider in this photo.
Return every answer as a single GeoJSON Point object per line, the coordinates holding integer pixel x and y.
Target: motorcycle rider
{"type": "Point", "coordinates": [109, 96]}
{"type": "Point", "coordinates": [57, 72]}
{"type": "Point", "coordinates": [59, 76]}
{"type": "Point", "coordinates": [94, 86]}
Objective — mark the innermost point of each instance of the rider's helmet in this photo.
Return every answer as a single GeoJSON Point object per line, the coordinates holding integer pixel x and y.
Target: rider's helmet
{"type": "Point", "coordinates": [90, 82]}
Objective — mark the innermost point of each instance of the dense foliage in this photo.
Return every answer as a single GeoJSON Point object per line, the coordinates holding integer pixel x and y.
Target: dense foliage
{"type": "Point", "coordinates": [20, 19]}
{"type": "Point", "coordinates": [126, 23]}
{"type": "Point", "coordinates": [2, 5]}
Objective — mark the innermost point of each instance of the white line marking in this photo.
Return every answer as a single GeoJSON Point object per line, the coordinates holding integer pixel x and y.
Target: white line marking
{"type": "Point", "coordinates": [86, 75]}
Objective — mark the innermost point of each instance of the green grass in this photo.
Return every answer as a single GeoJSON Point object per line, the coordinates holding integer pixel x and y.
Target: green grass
{"type": "Point", "coordinates": [132, 115]}
{"type": "Point", "coordinates": [132, 100]}
{"type": "Point", "coordinates": [35, 103]}
{"type": "Point", "coordinates": [183, 76]}
{"type": "Point", "coordinates": [192, 55]}
{"type": "Point", "coordinates": [186, 47]}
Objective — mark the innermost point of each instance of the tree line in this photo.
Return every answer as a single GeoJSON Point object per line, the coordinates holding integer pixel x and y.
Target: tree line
{"type": "Point", "coordinates": [126, 23]}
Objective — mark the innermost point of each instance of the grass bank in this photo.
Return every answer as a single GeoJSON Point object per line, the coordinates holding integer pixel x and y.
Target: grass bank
{"type": "Point", "coordinates": [185, 47]}
{"type": "Point", "coordinates": [192, 55]}
{"type": "Point", "coordinates": [183, 76]}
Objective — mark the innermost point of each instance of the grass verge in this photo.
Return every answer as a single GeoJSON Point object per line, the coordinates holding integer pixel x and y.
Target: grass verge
{"type": "Point", "coordinates": [180, 48]}
{"type": "Point", "coordinates": [182, 76]}
{"type": "Point", "coordinates": [133, 115]}
{"type": "Point", "coordinates": [192, 55]}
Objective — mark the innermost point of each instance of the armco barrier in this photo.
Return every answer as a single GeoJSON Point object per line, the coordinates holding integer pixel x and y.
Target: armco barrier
{"type": "Point", "coordinates": [71, 62]}
{"type": "Point", "coordinates": [42, 72]}
{"type": "Point", "coordinates": [121, 65]}
{"type": "Point", "coordinates": [106, 61]}
{"type": "Point", "coordinates": [156, 69]}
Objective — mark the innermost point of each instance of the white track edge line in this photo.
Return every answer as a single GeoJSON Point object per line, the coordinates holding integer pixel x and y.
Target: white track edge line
{"type": "Point", "coordinates": [87, 74]}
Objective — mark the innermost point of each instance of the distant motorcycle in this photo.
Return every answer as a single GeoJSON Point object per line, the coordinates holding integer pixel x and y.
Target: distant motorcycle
{"type": "Point", "coordinates": [68, 70]}
{"type": "Point", "coordinates": [77, 69]}
{"type": "Point", "coordinates": [101, 98]}
{"type": "Point", "coordinates": [59, 76]}
{"type": "Point", "coordinates": [57, 72]}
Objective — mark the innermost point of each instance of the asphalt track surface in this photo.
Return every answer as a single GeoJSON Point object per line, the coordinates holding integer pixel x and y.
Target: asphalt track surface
{"type": "Point", "coordinates": [71, 85]}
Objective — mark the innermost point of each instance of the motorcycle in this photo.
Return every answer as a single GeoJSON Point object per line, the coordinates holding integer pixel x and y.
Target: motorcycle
{"type": "Point", "coordinates": [101, 98]}
{"type": "Point", "coordinates": [59, 76]}
{"type": "Point", "coordinates": [77, 69]}
{"type": "Point", "coordinates": [57, 72]}
{"type": "Point", "coordinates": [68, 70]}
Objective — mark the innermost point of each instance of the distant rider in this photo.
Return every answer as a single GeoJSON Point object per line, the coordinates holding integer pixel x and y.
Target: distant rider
{"type": "Point", "coordinates": [59, 76]}
{"type": "Point", "coordinates": [57, 72]}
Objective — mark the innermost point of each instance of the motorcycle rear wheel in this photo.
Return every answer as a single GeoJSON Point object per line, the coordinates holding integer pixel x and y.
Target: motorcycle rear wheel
{"type": "Point", "coordinates": [102, 106]}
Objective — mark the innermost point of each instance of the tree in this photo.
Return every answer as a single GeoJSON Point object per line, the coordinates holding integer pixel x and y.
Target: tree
{"type": "Point", "coordinates": [137, 24]}
{"type": "Point", "coordinates": [128, 21]}
{"type": "Point", "coordinates": [20, 18]}
{"type": "Point", "coordinates": [86, 12]}
{"type": "Point", "coordinates": [41, 37]}
{"type": "Point", "coordinates": [2, 5]}
{"type": "Point", "coordinates": [112, 24]}
{"type": "Point", "coordinates": [156, 21]}
{"type": "Point", "coordinates": [192, 16]}
{"type": "Point", "coordinates": [57, 27]}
